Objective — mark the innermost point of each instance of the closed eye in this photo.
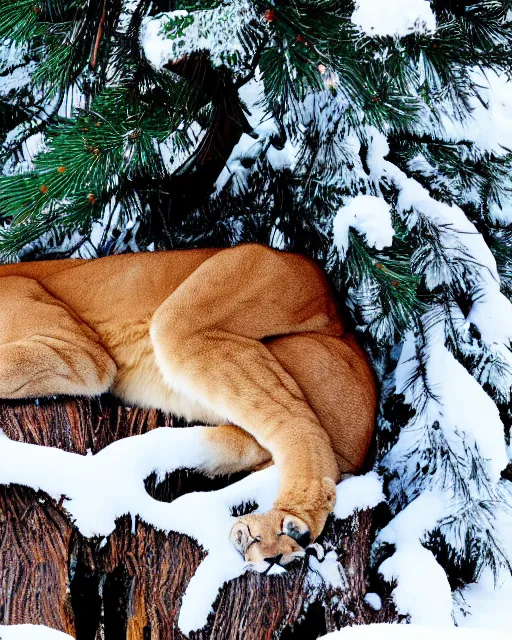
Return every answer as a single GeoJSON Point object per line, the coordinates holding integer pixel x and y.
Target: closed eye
{"type": "Point", "coordinates": [256, 539]}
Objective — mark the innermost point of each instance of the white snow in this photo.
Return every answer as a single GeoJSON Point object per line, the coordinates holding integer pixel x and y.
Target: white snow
{"type": "Point", "coordinates": [330, 570]}
{"type": "Point", "coordinates": [235, 174]}
{"type": "Point", "coordinates": [423, 591]}
{"type": "Point", "coordinates": [394, 18]}
{"type": "Point", "coordinates": [100, 488]}
{"type": "Point", "coordinates": [491, 311]}
{"type": "Point", "coordinates": [358, 492]}
{"type": "Point", "coordinates": [374, 600]}
{"type": "Point", "coordinates": [31, 632]}
{"type": "Point", "coordinates": [411, 632]}
{"type": "Point", "coordinates": [369, 215]}
{"type": "Point", "coordinates": [489, 605]}
{"type": "Point", "coordinates": [214, 30]}
{"type": "Point", "coordinates": [459, 402]}
{"type": "Point", "coordinates": [489, 124]}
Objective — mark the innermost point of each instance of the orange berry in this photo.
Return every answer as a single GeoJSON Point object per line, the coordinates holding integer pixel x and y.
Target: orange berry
{"type": "Point", "coordinates": [43, 189]}
{"type": "Point", "coordinates": [92, 198]}
{"type": "Point", "coordinates": [61, 169]}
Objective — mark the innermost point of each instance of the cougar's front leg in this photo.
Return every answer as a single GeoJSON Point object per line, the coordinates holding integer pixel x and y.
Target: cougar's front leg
{"type": "Point", "coordinates": [206, 337]}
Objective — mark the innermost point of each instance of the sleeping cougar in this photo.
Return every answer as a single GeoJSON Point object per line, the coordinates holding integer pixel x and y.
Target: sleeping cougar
{"type": "Point", "coordinates": [246, 338]}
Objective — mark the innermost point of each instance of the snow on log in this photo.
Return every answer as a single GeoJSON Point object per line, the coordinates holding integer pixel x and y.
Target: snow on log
{"type": "Point", "coordinates": [130, 564]}
{"type": "Point", "coordinates": [31, 632]}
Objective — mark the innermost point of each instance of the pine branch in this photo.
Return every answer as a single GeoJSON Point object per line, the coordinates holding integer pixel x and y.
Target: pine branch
{"type": "Point", "coordinates": [101, 26]}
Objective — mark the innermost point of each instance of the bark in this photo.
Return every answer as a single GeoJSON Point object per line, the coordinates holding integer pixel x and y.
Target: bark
{"type": "Point", "coordinates": [130, 586]}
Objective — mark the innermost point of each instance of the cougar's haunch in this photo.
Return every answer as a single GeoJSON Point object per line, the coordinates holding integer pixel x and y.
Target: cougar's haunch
{"type": "Point", "coordinates": [247, 338]}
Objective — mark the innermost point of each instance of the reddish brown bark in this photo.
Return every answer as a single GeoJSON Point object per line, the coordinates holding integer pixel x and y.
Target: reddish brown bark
{"type": "Point", "coordinates": [131, 585]}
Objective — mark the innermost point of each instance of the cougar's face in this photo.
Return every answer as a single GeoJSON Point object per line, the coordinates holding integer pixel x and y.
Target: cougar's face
{"type": "Point", "coordinates": [271, 538]}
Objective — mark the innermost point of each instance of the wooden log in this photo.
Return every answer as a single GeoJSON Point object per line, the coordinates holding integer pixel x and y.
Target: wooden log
{"type": "Point", "coordinates": [131, 585]}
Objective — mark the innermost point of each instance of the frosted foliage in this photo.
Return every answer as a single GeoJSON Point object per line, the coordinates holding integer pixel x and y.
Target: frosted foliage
{"type": "Point", "coordinates": [455, 439]}
{"type": "Point", "coordinates": [367, 302]}
{"type": "Point", "coordinates": [259, 146]}
{"type": "Point", "coordinates": [11, 56]}
{"type": "Point", "coordinates": [103, 487]}
{"type": "Point", "coordinates": [219, 31]}
{"type": "Point", "coordinates": [395, 18]}
{"type": "Point", "coordinates": [489, 123]}
{"type": "Point", "coordinates": [457, 402]}
{"type": "Point", "coordinates": [488, 604]}
{"type": "Point", "coordinates": [491, 311]}
{"type": "Point", "coordinates": [369, 215]}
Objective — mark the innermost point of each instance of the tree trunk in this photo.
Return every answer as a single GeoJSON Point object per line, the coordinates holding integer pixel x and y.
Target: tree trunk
{"type": "Point", "coordinates": [131, 586]}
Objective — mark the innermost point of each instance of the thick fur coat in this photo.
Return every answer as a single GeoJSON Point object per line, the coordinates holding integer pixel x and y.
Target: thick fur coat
{"type": "Point", "coordinates": [247, 338]}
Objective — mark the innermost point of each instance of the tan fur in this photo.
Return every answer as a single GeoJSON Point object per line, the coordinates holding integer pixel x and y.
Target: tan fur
{"type": "Point", "coordinates": [246, 336]}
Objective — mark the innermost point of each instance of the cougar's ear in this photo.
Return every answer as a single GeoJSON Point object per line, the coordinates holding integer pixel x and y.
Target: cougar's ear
{"type": "Point", "coordinates": [297, 530]}
{"type": "Point", "coordinates": [240, 537]}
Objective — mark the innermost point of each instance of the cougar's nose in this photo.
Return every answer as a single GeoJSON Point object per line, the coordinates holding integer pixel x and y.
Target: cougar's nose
{"type": "Point", "coordinates": [274, 559]}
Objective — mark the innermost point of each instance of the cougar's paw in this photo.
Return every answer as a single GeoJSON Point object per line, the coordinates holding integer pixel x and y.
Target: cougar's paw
{"type": "Point", "coordinates": [274, 537]}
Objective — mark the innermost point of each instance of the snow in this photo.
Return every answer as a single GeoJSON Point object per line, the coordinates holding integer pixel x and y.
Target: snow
{"type": "Point", "coordinates": [369, 215]}
{"type": "Point", "coordinates": [31, 632]}
{"type": "Point", "coordinates": [11, 57]}
{"type": "Point", "coordinates": [459, 401]}
{"type": "Point", "coordinates": [330, 570]}
{"type": "Point", "coordinates": [423, 591]}
{"type": "Point", "coordinates": [100, 488]}
{"type": "Point", "coordinates": [411, 632]}
{"type": "Point", "coordinates": [373, 599]}
{"type": "Point", "coordinates": [238, 168]}
{"type": "Point", "coordinates": [358, 492]}
{"type": "Point", "coordinates": [489, 124]}
{"type": "Point", "coordinates": [396, 18]}
{"type": "Point", "coordinates": [217, 31]}
{"type": "Point", "coordinates": [489, 607]}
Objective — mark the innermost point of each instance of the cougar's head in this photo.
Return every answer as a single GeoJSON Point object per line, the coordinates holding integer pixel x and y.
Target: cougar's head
{"type": "Point", "coordinates": [273, 537]}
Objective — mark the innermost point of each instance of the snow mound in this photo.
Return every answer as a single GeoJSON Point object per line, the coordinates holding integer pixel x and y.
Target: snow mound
{"type": "Point", "coordinates": [423, 591]}
{"type": "Point", "coordinates": [369, 215]}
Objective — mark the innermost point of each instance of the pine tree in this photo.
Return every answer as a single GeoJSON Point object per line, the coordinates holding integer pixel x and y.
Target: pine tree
{"type": "Point", "coordinates": [378, 144]}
